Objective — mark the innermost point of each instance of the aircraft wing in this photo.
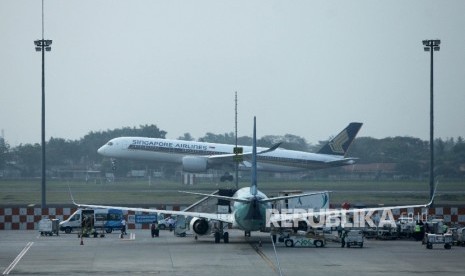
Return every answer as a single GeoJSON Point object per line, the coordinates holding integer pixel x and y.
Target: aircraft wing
{"type": "Point", "coordinates": [342, 212]}
{"type": "Point", "coordinates": [228, 218]}
{"type": "Point", "coordinates": [345, 161]}
{"type": "Point", "coordinates": [219, 157]}
{"type": "Point", "coordinates": [291, 196]}
{"type": "Point", "coordinates": [218, 196]}
{"type": "Point", "coordinates": [261, 200]}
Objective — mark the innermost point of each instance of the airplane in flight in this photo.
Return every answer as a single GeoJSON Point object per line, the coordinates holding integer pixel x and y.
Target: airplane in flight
{"type": "Point", "coordinates": [198, 157]}
{"type": "Point", "coordinates": [250, 207]}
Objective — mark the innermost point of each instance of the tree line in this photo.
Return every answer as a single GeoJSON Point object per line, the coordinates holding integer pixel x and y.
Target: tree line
{"type": "Point", "coordinates": [410, 155]}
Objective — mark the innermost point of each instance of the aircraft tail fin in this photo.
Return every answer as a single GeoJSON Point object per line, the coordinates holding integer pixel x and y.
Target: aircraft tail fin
{"type": "Point", "coordinates": [341, 142]}
{"type": "Point", "coordinates": [253, 186]}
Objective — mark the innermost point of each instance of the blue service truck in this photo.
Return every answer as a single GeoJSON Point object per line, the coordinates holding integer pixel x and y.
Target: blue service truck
{"type": "Point", "coordinates": [95, 219]}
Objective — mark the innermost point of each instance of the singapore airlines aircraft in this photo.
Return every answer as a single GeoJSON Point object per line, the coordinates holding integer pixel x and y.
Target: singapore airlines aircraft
{"type": "Point", "coordinates": [250, 208]}
{"type": "Point", "coordinates": [197, 157]}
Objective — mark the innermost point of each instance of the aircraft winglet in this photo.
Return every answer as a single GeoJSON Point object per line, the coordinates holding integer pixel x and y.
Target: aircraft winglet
{"type": "Point", "coordinates": [433, 195]}
{"type": "Point", "coordinates": [272, 148]}
{"type": "Point", "coordinates": [71, 195]}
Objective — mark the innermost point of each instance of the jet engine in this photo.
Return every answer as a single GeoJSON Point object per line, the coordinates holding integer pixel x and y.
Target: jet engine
{"type": "Point", "coordinates": [194, 164]}
{"type": "Point", "coordinates": [200, 226]}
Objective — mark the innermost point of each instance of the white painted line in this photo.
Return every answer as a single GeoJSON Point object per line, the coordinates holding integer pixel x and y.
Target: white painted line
{"type": "Point", "coordinates": [17, 259]}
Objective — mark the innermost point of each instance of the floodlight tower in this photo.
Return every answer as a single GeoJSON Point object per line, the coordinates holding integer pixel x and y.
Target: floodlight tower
{"type": "Point", "coordinates": [43, 45]}
{"type": "Point", "coordinates": [431, 46]}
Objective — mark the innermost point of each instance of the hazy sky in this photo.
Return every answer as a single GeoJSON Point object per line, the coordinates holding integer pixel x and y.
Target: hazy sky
{"type": "Point", "coordinates": [306, 68]}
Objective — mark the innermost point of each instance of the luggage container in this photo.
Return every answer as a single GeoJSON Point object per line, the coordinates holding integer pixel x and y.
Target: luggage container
{"type": "Point", "coordinates": [353, 237]}
{"type": "Point", "coordinates": [445, 239]}
{"type": "Point", "coordinates": [48, 227]}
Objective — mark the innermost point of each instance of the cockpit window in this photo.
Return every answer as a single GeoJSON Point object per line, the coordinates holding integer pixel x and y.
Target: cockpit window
{"type": "Point", "coordinates": [110, 144]}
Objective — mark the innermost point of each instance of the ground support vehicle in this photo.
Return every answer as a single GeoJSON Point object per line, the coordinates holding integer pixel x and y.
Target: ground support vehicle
{"type": "Point", "coordinates": [180, 229]}
{"type": "Point", "coordinates": [461, 236]}
{"type": "Point", "coordinates": [302, 239]}
{"type": "Point", "coordinates": [49, 227]}
{"type": "Point", "coordinates": [445, 239]}
{"type": "Point", "coordinates": [166, 223]}
{"type": "Point", "coordinates": [88, 221]}
{"type": "Point", "coordinates": [387, 233]}
{"type": "Point", "coordinates": [352, 238]}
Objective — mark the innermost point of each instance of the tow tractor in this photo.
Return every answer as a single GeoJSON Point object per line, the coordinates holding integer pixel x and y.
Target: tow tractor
{"type": "Point", "coordinates": [302, 239]}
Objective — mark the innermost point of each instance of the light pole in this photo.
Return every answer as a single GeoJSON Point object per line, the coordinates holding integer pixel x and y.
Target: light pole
{"type": "Point", "coordinates": [431, 46]}
{"type": "Point", "coordinates": [43, 45]}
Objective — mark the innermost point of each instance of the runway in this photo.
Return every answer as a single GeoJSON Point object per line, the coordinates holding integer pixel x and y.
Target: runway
{"type": "Point", "coordinates": [28, 253]}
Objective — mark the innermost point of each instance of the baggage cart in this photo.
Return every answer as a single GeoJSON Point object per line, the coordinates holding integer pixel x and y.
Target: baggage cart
{"type": "Point", "coordinates": [48, 227]}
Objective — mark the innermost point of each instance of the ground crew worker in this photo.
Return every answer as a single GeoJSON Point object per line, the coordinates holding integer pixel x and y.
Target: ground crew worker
{"type": "Point", "coordinates": [123, 226]}
{"type": "Point", "coordinates": [83, 226]}
{"type": "Point", "coordinates": [154, 229]}
{"type": "Point", "coordinates": [343, 238]}
{"type": "Point", "coordinates": [444, 228]}
{"type": "Point", "coordinates": [417, 232]}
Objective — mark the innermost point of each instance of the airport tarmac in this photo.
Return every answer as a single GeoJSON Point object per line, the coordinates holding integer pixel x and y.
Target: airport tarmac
{"type": "Point", "coordinates": [29, 253]}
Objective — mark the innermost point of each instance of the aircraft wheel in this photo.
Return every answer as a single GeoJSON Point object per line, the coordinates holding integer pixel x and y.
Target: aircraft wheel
{"type": "Point", "coordinates": [319, 243]}
{"type": "Point", "coordinates": [289, 243]}
{"type": "Point", "coordinates": [226, 237]}
{"type": "Point", "coordinates": [217, 237]}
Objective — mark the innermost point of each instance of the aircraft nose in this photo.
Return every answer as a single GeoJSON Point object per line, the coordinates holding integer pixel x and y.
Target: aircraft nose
{"type": "Point", "coordinates": [101, 150]}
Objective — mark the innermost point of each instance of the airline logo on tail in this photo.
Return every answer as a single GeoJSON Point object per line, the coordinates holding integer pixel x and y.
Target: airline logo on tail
{"type": "Point", "coordinates": [338, 142]}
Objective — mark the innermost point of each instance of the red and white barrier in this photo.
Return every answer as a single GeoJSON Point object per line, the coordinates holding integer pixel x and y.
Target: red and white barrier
{"type": "Point", "coordinates": [26, 218]}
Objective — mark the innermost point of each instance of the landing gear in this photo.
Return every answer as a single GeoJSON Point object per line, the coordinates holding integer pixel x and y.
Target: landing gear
{"type": "Point", "coordinates": [247, 233]}
{"type": "Point", "coordinates": [113, 164]}
{"type": "Point", "coordinates": [219, 233]}
{"type": "Point", "coordinates": [218, 237]}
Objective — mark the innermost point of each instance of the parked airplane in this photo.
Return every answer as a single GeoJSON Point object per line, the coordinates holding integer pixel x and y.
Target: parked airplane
{"type": "Point", "coordinates": [249, 208]}
{"type": "Point", "coordinates": [196, 157]}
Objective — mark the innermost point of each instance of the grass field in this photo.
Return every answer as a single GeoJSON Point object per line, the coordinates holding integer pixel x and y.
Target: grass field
{"type": "Point", "coordinates": [132, 193]}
